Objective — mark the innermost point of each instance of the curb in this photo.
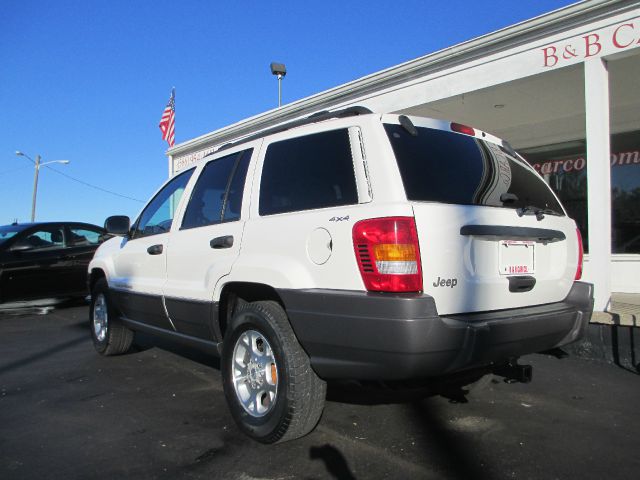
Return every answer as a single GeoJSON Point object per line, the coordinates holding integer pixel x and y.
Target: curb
{"type": "Point", "coordinates": [617, 344]}
{"type": "Point", "coordinates": [616, 318]}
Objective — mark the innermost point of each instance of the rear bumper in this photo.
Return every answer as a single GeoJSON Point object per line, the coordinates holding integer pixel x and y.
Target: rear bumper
{"type": "Point", "coordinates": [363, 335]}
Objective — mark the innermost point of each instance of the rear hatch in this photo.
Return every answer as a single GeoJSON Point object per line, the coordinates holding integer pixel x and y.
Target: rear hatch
{"type": "Point", "coordinates": [492, 233]}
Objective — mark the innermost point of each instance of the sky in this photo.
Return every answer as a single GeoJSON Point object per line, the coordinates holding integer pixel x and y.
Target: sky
{"type": "Point", "coordinates": [87, 81]}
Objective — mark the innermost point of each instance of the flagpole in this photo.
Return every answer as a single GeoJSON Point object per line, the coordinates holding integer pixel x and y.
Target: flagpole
{"type": "Point", "coordinates": [171, 166]}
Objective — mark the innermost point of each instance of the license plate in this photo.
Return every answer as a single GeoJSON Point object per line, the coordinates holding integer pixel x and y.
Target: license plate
{"type": "Point", "coordinates": [517, 257]}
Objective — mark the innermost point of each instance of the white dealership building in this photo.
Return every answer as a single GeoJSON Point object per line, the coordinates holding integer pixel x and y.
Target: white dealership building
{"type": "Point", "coordinates": [562, 88]}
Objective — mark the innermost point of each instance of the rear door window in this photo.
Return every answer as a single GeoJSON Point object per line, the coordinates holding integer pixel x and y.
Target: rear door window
{"type": "Point", "coordinates": [448, 167]}
{"type": "Point", "coordinates": [217, 195]}
{"type": "Point", "coordinates": [309, 172]}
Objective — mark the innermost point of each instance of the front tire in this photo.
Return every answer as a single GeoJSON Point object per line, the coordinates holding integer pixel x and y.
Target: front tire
{"type": "Point", "coordinates": [270, 387]}
{"type": "Point", "coordinates": [110, 336]}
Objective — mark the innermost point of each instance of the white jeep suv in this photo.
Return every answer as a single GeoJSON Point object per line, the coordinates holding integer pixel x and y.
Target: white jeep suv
{"type": "Point", "coordinates": [349, 245]}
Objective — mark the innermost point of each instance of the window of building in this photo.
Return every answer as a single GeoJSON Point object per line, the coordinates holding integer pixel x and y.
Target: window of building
{"type": "Point", "coordinates": [310, 172]}
{"type": "Point", "coordinates": [564, 168]}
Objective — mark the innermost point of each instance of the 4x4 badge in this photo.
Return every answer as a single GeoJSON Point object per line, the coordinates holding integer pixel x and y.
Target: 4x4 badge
{"type": "Point", "coordinates": [339, 219]}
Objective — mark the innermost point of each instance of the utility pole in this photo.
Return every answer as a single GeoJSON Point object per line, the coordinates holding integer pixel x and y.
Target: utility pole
{"type": "Point", "coordinates": [37, 163]}
{"type": "Point", "coordinates": [35, 189]}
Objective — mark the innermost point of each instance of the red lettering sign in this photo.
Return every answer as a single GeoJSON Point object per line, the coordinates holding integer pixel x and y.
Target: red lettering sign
{"type": "Point", "coordinates": [592, 45]}
{"type": "Point", "coordinates": [550, 57]}
{"type": "Point", "coordinates": [568, 165]}
{"type": "Point", "coordinates": [616, 41]}
{"type": "Point", "coordinates": [623, 36]}
{"type": "Point", "coordinates": [575, 165]}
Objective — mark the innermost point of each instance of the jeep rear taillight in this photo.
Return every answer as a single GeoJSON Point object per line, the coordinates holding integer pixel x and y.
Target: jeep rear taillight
{"type": "Point", "coordinates": [388, 254]}
{"type": "Point", "coordinates": [580, 256]}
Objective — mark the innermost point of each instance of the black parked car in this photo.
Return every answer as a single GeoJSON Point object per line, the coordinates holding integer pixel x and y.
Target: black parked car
{"type": "Point", "coordinates": [46, 260]}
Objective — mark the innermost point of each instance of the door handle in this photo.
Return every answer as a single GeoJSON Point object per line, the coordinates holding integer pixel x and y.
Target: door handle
{"type": "Point", "coordinates": [154, 250]}
{"type": "Point", "coordinates": [222, 242]}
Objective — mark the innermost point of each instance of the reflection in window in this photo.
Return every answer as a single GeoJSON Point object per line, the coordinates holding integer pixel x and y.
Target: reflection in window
{"type": "Point", "coordinates": [564, 168]}
{"type": "Point", "coordinates": [43, 239]}
{"type": "Point", "coordinates": [304, 173]}
{"type": "Point", "coordinates": [157, 216]}
{"type": "Point", "coordinates": [8, 231]}
{"type": "Point", "coordinates": [83, 236]}
{"type": "Point", "coordinates": [214, 191]}
{"type": "Point", "coordinates": [447, 167]}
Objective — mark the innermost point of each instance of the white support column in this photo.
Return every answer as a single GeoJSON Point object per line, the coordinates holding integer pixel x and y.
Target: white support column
{"type": "Point", "coordinates": [596, 78]}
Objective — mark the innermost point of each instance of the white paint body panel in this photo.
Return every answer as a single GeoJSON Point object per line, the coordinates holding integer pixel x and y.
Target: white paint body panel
{"type": "Point", "coordinates": [474, 261]}
{"type": "Point", "coordinates": [274, 249]}
{"type": "Point", "coordinates": [128, 266]}
{"type": "Point", "coordinates": [193, 267]}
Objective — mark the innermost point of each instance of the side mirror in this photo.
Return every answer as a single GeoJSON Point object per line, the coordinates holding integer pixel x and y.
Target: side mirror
{"type": "Point", "coordinates": [117, 225]}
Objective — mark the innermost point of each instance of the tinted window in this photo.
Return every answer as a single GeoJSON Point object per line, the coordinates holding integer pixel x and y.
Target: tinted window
{"type": "Point", "coordinates": [157, 216]}
{"type": "Point", "coordinates": [8, 231]}
{"type": "Point", "coordinates": [448, 167]}
{"type": "Point", "coordinates": [564, 167]}
{"type": "Point", "coordinates": [315, 171]}
{"type": "Point", "coordinates": [217, 195]}
{"type": "Point", "coordinates": [44, 238]}
{"type": "Point", "coordinates": [233, 205]}
{"type": "Point", "coordinates": [84, 236]}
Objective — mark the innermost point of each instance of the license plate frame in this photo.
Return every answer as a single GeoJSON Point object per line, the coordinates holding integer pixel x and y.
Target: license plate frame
{"type": "Point", "coordinates": [516, 257]}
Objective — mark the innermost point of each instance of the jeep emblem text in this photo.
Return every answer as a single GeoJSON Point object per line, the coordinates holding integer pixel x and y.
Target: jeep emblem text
{"type": "Point", "coordinates": [449, 282]}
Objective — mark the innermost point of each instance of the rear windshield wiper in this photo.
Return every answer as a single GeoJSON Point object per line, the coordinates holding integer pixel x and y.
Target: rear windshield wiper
{"type": "Point", "coordinates": [537, 211]}
{"type": "Point", "coordinates": [508, 197]}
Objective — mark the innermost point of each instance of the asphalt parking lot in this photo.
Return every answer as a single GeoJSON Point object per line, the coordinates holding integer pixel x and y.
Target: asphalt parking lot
{"type": "Point", "coordinates": [159, 412]}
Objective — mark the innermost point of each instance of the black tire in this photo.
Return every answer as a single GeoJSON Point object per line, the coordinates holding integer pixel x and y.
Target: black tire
{"type": "Point", "coordinates": [297, 405]}
{"type": "Point", "coordinates": [110, 336]}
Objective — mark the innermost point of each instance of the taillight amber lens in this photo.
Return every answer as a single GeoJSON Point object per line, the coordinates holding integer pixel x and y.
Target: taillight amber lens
{"type": "Point", "coordinates": [388, 254]}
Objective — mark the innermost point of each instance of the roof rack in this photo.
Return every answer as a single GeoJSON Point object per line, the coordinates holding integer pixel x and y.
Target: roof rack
{"type": "Point", "coordinates": [313, 118]}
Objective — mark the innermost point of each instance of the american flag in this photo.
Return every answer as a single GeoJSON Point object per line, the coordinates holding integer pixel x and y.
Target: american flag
{"type": "Point", "coordinates": [168, 121]}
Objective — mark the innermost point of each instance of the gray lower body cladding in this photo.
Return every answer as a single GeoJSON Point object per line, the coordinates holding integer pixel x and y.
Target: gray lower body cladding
{"type": "Point", "coordinates": [360, 335]}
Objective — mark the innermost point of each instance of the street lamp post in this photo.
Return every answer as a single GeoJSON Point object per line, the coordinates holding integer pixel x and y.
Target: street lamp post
{"type": "Point", "coordinates": [279, 70]}
{"type": "Point", "coordinates": [37, 163]}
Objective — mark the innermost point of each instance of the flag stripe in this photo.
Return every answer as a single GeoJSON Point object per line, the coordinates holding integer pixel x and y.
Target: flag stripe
{"type": "Point", "coordinates": [168, 120]}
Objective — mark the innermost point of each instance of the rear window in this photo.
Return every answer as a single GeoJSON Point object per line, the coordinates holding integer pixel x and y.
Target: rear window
{"type": "Point", "coordinates": [447, 167]}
